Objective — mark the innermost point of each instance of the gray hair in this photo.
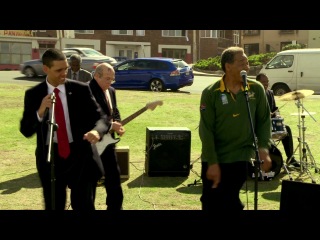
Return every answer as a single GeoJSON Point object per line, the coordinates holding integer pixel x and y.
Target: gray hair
{"type": "Point", "coordinates": [101, 67]}
{"type": "Point", "coordinates": [76, 57]}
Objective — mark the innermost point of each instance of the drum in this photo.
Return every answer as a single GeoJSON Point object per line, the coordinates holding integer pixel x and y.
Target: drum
{"type": "Point", "coordinates": [278, 129]}
{"type": "Point", "coordinates": [277, 163]}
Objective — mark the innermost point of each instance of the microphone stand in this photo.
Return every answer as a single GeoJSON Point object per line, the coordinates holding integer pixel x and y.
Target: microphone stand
{"type": "Point", "coordinates": [257, 162]}
{"type": "Point", "coordinates": [53, 127]}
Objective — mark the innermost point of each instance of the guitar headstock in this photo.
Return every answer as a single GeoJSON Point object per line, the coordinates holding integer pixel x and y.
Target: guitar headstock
{"type": "Point", "coordinates": [153, 105]}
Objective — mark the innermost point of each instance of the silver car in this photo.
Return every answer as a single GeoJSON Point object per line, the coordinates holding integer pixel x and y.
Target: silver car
{"type": "Point", "coordinates": [90, 59]}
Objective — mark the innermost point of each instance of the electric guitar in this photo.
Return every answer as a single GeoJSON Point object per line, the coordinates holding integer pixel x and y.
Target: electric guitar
{"type": "Point", "coordinates": [109, 139]}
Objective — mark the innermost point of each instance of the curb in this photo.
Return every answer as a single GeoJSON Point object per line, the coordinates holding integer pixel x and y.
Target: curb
{"type": "Point", "coordinates": [196, 73]}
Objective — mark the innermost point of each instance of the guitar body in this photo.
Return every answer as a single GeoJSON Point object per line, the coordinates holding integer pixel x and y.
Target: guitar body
{"type": "Point", "coordinates": [108, 139]}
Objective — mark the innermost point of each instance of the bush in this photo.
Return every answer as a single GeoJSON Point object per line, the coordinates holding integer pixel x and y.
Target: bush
{"type": "Point", "coordinates": [214, 63]}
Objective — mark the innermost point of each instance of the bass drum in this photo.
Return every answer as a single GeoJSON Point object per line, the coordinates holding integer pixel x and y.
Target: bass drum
{"type": "Point", "coordinates": [277, 163]}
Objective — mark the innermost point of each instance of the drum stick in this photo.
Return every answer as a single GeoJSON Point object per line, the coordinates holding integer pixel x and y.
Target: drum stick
{"type": "Point", "coordinates": [279, 108]}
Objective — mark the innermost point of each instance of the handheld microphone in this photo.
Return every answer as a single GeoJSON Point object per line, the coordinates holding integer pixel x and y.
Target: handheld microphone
{"type": "Point", "coordinates": [243, 74]}
{"type": "Point", "coordinates": [47, 109]}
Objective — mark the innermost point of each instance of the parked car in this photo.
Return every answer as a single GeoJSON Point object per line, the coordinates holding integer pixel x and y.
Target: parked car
{"type": "Point", "coordinates": [155, 74]}
{"type": "Point", "coordinates": [90, 59]}
{"type": "Point", "coordinates": [120, 59]}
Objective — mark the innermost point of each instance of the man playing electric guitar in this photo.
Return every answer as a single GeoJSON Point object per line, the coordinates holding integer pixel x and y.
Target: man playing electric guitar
{"type": "Point", "coordinates": [105, 95]}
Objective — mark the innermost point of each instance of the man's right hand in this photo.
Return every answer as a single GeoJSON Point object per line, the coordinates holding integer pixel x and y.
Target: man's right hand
{"type": "Point", "coordinates": [118, 128]}
{"type": "Point", "coordinates": [46, 103]}
{"type": "Point", "coordinates": [214, 174]}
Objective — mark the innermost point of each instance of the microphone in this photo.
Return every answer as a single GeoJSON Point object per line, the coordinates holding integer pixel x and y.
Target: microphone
{"type": "Point", "coordinates": [243, 74]}
{"type": "Point", "coordinates": [47, 109]}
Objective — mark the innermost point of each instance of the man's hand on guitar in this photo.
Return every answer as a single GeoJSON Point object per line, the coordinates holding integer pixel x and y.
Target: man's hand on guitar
{"type": "Point", "coordinates": [118, 128]}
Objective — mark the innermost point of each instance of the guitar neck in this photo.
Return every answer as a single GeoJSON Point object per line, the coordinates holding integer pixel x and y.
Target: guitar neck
{"type": "Point", "coordinates": [133, 116]}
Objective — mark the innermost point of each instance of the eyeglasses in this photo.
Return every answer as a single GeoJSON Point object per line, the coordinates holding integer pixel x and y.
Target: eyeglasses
{"type": "Point", "coordinates": [107, 79]}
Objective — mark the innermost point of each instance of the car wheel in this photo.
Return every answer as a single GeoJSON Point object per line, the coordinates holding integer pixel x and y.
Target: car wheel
{"type": "Point", "coordinates": [280, 89]}
{"type": "Point", "coordinates": [29, 72]}
{"type": "Point", "coordinates": [156, 85]}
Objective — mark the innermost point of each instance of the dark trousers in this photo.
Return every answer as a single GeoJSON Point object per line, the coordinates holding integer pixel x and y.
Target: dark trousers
{"type": "Point", "coordinates": [112, 183]}
{"type": "Point", "coordinates": [226, 196]}
{"type": "Point", "coordinates": [287, 142]}
{"type": "Point", "coordinates": [71, 172]}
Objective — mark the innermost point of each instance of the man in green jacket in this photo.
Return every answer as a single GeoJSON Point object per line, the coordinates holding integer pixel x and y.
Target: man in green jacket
{"type": "Point", "coordinates": [228, 143]}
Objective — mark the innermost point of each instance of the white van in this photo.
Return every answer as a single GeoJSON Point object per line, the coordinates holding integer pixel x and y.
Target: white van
{"type": "Point", "coordinates": [292, 70]}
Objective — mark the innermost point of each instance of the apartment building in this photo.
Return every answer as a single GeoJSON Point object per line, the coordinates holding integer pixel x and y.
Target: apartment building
{"type": "Point", "coordinates": [264, 41]}
{"type": "Point", "coordinates": [18, 46]}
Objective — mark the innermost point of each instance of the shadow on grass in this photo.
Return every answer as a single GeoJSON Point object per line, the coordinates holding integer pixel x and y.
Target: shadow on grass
{"type": "Point", "coordinates": [160, 182]}
{"type": "Point", "coordinates": [192, 188]}
{"type": "Point", "coordinates": [34, 79]}
{"type": "Point", "coordinates": [146, 90]}
{"type": "Point", "coordinates": [15, 185]}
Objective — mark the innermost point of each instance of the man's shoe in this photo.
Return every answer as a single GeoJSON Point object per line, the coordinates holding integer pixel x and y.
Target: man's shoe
{"type": "Point", "coordinates": [294, 163]}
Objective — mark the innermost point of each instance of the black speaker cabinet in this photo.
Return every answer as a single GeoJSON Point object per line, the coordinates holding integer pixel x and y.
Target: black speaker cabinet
{"type": "Point", "coordinates": [123, 161]}
{"type": "Point", "coordinates": [299, 196]}
{"type": "Point", "coordinates": [168, 151]}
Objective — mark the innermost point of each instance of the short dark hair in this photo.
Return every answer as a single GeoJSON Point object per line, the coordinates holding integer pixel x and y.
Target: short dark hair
{"type": "Point", "coordinates": [228, 54]}
{"type": "Point", "coordinates": [258, 77]}
{"type": "Point", "coordinates": [52, 54]}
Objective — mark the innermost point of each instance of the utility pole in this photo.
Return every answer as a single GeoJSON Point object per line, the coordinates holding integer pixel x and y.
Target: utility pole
{"type": "Point", "coordinates": [195, 50]}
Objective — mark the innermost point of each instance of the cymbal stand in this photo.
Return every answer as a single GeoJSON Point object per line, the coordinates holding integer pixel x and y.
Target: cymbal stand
{"type": "Point", "coordinates": [302, 144]}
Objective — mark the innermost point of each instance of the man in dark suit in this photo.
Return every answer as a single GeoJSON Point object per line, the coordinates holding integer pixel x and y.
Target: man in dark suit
{"type": "Point", "coordinates": [106, 96]}
{"type": "Point", "coordinates": [75, 71]}
{"type": "Point", "coordinates": [85, 123]}
{"type": "Point", "coordinates": [287, 140]}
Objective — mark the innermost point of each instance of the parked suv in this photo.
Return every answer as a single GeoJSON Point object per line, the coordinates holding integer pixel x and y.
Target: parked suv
{"type": "Point", "coordinates": [155, 74]}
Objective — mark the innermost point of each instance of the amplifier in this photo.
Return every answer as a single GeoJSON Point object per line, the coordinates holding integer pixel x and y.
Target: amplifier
{"type": "Point", "coordinates": [123, 159]}
{"type": "Point", "coordinates": [122, 153]}
{"type": "Point", "coordinates": [168, 151]}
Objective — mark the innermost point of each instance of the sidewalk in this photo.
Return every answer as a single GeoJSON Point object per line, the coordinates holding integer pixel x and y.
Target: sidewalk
{"type": "Point", "coordinates": [213, 73]}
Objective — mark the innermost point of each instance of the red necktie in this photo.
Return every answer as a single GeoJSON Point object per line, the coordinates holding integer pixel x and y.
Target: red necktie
{"type": "Point", "coordinates": [62, 135]}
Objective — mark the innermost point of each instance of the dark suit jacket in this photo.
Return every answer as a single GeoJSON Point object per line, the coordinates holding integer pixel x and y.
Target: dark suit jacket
{"type": "Point", "coordinates": [84, 113]}
{"type": "Point", "coordinates": [84, 75]}
{"type": "Point", "coordinates": [272, 102]}
{"type": "Point", "coordinates": [101, 99]}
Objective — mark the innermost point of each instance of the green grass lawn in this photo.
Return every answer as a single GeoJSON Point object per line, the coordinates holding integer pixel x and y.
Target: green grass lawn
{"type": "Point", "coordinates": [20, 187]}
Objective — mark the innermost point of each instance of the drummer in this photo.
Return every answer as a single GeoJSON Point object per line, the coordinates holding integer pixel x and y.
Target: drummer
{"type": "Point", "coordinates": [287, 141]}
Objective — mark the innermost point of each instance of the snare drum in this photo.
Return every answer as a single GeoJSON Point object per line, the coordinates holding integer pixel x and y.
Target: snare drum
{"type": "Point", "coordinates": [278, 129]}
{"type": "Point", "coordinates": [277, 163]}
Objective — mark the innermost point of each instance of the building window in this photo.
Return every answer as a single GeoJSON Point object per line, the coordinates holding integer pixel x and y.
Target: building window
{"type": "Point", "coordinates": [84, 31]}
{"type": "Point", "coordinates": [122, 32]}
{"type": "Point", "coordinates": [251, 32]}
{"type": "Point", "coordinates": [14, 52]}
{"type": "Point", "coordinates": [140, 32]}
{"type": "Point", "coordinates": [208, 33]}
{"type": "Point", "coordinates": [251, 49]}
{"type": "Point", "coordinates": [286, 31]}
{"type": "Point", "coordinates": [221, 34]}
{"type": "Point", "coordinates": [174, 53]}
{"type": "Point", "coordinates": [44, 46]}
{"type": "Point", "coordinates": [174, 33]}
{"type": "Point", "coordinates": [236, 37]}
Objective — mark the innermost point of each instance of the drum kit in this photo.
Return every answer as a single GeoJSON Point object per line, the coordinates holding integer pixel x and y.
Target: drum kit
{"type": "Point", "coordinates": [279, 132]}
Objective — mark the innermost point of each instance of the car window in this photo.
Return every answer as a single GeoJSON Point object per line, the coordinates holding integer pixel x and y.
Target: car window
{"type": "Point", "coordinates": [126, 66]}
{"type": "Point", "coordinates": [91, 53]}
{"type": "Point", "coordinates": [158, 65]}
{"type": "Point", "coordinates": [282, 61]}
{"type": "Point", "coordinates": [180, 64]}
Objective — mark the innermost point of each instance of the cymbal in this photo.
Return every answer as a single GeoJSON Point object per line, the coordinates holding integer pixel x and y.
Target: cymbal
{"type": "Point", "coordinates": [295, 95]}
{"type": "Point", "coordinates": [303, 114]}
